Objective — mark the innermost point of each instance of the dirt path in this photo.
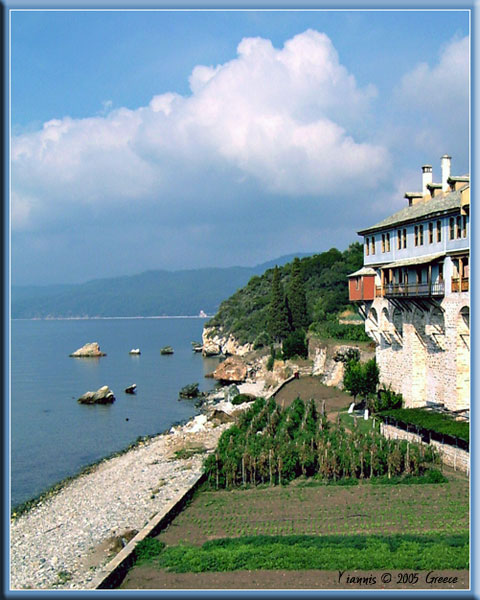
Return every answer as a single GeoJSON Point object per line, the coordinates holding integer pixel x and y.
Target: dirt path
{"type": "Point", "coordinates": [146, 577]}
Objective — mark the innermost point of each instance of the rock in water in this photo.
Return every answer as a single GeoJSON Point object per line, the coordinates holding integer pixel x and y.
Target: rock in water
{"type": "Point", "coordinates": [233, 370]}
{"type": "Point", "coordinates": [131, 389]}
{"type": "Point", "coordinates": [189, 391]}
{"type": "Point", "coordinates": [103, 395]}
{"type": "Point", "coordinates": [91, 349]}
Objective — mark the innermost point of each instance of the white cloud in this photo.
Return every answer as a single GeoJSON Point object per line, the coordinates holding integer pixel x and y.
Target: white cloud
{"type": "Point", "coordinates": [434, 100]}
{"type": "Point", "coordinates": [280, 119]}
{"type": "Point", "coordinates": [442, 86]}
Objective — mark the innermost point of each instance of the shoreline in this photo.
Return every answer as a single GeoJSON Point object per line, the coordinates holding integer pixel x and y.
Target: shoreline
{"type": "Point", "coordinates": [108, 318]}
{"type": "Point", "coordinates": [64, 538]}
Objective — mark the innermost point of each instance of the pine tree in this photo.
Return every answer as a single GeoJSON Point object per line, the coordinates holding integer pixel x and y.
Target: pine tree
{"type": "Point", "coordinates": [278, 325]}
{"type": "Point", "coordinates": [297, 298]}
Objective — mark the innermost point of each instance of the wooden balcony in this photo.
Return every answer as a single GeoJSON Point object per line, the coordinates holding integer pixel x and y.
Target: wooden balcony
{"type": "Point", "coordinates": [460, 285]}
{"type": "Point", "coordinates": [412, 290]}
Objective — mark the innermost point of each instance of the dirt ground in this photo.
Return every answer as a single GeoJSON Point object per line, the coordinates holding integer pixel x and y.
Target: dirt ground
{"type": "Point", "coordinates": [148, 578]}
{"type": "Point", "coordinates": [310, 387]}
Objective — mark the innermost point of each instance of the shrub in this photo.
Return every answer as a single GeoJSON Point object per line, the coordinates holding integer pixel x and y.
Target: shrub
{"type": "Point", "coordinates": [241, 398]}
{"type": "Point", "coordinates": [295, 345]}
{"type": "Point", "coordinates": [386, 399]}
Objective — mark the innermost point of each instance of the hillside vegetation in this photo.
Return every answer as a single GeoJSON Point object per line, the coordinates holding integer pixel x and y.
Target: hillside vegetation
{"type": "Point", "coordinates": [247, 313]}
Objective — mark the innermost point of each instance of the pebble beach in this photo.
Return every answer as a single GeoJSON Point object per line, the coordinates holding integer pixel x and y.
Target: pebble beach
{"type": "Point", "coordinates": [65, 540]}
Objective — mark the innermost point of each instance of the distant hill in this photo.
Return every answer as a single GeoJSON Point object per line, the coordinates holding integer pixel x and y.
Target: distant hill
{"type": "Point", "coordinates": [152, 293]}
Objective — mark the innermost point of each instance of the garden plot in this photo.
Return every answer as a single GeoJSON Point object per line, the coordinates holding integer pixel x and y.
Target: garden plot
{"type": "Point", "coordinates": [323, 510]}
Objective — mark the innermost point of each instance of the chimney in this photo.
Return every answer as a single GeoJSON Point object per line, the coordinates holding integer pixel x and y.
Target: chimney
{"type": "Point", "coordinates": [426, 178]}
{"type": "Point", "coordinates": [446, 164]}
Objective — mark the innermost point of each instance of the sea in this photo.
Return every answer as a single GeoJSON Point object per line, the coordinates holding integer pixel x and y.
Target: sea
{"type": "Point", "coordinates": [52, 435]}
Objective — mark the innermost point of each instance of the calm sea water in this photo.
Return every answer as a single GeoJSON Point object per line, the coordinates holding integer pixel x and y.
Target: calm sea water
{"type": "Point", "coordinates": [52, 435]}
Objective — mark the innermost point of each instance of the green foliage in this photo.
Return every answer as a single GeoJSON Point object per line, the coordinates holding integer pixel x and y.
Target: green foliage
{"type": "Point", "coordinates": [148, 548]}
{"type": "Point", "coordinates": [295, 344]}
{"type": "Point", "coordinates": [300, 552]}
{"type": "Point", "coordinates": [386, 399]}
{"type": "Point", "coordinates": [361, 379]}
{"type": "Point", "coordinates": [245, 314]}
{"type": "Point", "coordinates": [440, 423]}
{"type": "Point", "coordinates": [331, 328]}
{"type": "Point", "coordinates": [430, 476]}
{"type": "Point", "coordinates": [297, 298]}
{"type": "Point", "coordinates": [241, 398]}
{"type": "Point", "coordinates": [278, 324]}
{"type": "Point", "coordinates": [273, 445]}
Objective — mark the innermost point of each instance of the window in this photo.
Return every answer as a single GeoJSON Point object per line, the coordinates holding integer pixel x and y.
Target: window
{"type": "Point", "coordinates": [357, 283]}
{"type": "Point", "coordinates": [459, 227]}
{"type": "Point", "coordinates": [373, 244]}
{"type": "Point", "coordinates": [439, 231]}
{"type": "Point", "coordinates": [420, 235]}
{"type": "Point", "coordinates": [399, 239]}
{"type": "Point", "coordinates": [440, 271]}
{"type": "Point", "coordinates": [430, 233]}
{"type": "Point", "coordinates": [464, 226]}
{"type": "Point", "coordinates": [388, 242]}
{"type": "Point", "coordinates": [367, 249]}
{"type": "Point", "coordinates": [415, 237]}
{"type": "Point", "coordinates": [452, 228]}
{"type": "Point", "coordinates": [404, 238]}
{"type": "Point", "coordinates": [383, 242]}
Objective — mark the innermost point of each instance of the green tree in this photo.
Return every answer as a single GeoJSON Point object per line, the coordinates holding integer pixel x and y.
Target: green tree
{"type": "Point", "coordinates": [297, 298]}
{"type": "Point", "coordinates": [361, 379]}
{"type": "Point", "coordinates": [278, 325]}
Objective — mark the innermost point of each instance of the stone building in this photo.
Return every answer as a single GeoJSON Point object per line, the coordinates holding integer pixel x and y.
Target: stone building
{"type": "Point", "coordinates": [413, 292]}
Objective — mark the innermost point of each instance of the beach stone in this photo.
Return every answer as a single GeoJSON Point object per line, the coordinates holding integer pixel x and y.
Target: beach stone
{"type": "Point", "coordinates": [92, 349]}
{"type": "Point", "coordinates": [103, 395]}
{"type": "Point", "coordinates": [233, 369]}
{"type": "Point", "coordinates": [221, 416]}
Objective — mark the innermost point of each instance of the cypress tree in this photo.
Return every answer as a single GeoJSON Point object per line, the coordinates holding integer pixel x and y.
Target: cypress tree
{"type": "Point", "coordinates": [297, 298]}
{"type": "Point", "coordinates": [278, 325]}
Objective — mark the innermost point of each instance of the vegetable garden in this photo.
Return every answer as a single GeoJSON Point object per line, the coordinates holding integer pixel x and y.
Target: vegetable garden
{"type": "Point", "coordinates": [274, 445]}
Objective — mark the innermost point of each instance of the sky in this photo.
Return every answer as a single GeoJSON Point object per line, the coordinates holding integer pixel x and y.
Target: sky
{"type": "Point", "coordinates": [185, 139]}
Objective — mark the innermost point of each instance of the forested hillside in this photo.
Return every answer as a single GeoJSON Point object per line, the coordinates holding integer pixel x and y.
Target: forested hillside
{"type": "Point", "coordinates": [247, 314]}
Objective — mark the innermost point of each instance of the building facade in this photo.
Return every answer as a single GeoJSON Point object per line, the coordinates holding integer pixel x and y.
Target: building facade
{"type": "Point", "coordinates": [414, 293]}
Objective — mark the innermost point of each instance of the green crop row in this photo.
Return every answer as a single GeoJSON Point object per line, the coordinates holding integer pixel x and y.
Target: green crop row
{"type": "Point", "coordinates": [314, 552]}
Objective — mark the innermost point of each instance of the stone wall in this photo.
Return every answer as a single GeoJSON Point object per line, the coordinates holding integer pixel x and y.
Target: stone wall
{"type": "Point", "coordinates": [424, 353]}
{"type": "Point", "coordinates": [454, 457]}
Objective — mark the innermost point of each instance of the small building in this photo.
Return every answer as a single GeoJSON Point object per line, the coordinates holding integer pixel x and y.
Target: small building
{"type": "Point", "coordinates": [414, 292]}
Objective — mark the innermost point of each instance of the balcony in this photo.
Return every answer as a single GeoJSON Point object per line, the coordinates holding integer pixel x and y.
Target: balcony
{"type": "Point", "coordinates": [412, 290]}
{"type": "Point", "coordinates": [460, 285]}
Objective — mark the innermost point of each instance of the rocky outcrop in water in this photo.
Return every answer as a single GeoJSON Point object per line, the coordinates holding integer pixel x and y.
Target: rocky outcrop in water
{"type": "Point", "coordinates": [103, 395]}
{"type": "Point", "coordinates": [91, 349]}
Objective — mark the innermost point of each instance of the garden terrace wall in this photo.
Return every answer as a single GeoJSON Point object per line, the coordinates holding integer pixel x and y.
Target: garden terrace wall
{"type": "Point", "coordinates": [451, 455]}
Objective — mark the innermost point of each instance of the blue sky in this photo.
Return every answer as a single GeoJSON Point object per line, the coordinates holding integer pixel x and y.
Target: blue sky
{"type": "Point", "coordinates": [182, 139]}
